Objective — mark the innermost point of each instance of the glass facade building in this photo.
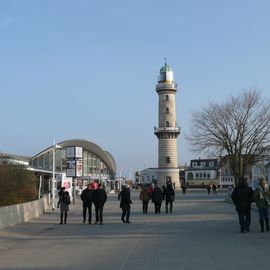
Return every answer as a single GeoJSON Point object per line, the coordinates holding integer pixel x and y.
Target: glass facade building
{"type": "Point", "coordinates": [97, 163]}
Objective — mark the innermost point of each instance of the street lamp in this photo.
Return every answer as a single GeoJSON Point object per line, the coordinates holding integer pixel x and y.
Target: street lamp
{"type": "Point", "coordinates": [220, 181]}
{"type": "Point", "coordinates": [120, 180]}
{"type": "Point", "coordinates": [55, 146]}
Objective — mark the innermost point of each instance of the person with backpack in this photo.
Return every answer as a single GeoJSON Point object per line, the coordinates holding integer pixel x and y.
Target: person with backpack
{"type": "Point", "coordinates": [63, 203]}
{"type": "Point", "coordinates": [87, 198]}
{"type": "Point", "coordinates": [99, 199]}
{"type": "Point", "coordinates": [169, 197]}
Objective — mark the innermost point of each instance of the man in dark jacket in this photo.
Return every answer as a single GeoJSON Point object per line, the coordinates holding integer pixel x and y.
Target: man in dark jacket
{"type": "Point", "coordinates": [242, 198]}
{"type": "Point", "coordinates": [124, 197]}
{"type": "Point", "coordinates": [87, 198]}
{"type": "Point", "coordinates": [157, 197]}
{"type": "Point", "coordinates": [169, 196]}
{"type": "Point", "coordinates": [99, 199]}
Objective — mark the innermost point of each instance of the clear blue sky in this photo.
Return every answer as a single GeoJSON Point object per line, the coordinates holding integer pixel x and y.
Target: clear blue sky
{"type": "Point", "coordinates": [76, 69]}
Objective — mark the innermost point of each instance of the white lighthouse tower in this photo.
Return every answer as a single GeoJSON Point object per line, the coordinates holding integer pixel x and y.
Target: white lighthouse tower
{"type": "Point", "coordinates": [167, 130]}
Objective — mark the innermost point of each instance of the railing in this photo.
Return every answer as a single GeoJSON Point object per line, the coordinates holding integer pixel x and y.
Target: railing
{"type": "Point", "coordinates": [168, 129]}
{"type": "Point", "coordinates": [166, 86]}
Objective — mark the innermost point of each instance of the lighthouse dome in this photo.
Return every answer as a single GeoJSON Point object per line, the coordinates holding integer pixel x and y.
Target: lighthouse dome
{"type": "Point", "coordinates": [165, 74]}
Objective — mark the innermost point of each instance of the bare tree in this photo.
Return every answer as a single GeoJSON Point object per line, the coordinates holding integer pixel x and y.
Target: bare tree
{"type": "Point", "coordinates": [237, 128]}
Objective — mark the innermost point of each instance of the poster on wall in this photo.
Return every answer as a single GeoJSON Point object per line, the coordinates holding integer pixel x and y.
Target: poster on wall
{"type": "Point", "coordinates": [79, 168]}
{"type": "Point", "coordinates": [64, 181]}
{"type": "Point", "coordinates": [78, 152]}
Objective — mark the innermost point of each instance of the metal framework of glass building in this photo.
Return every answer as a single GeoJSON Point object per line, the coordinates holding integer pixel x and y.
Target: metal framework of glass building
{"type": "Point", "coordinates": [97, 163]}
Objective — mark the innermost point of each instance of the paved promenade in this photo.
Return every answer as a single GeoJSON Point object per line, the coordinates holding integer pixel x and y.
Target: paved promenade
{"type": "Point", "coordinates": [201, 233]}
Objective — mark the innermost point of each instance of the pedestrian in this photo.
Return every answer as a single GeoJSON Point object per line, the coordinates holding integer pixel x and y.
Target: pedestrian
{"type": "Point", "coordinates": [169, 197]}
{"type": "Point", "coordinates": [124, 197]}
{"type": "Point", "coordinates": [184, 188]}
{"type": "Point", "coordinates": [208, 189]}
{"type": "Point", "coordinates": [99, 199]}
{"type": "Point", "coordinates": [87, 198]}
{"type": "Point", "coordinates": [157, 197]}
{"type": "Point", "coordinates": [214, 187]}
{"type": "Point", "coordinates": [261, 198]}
{"type": "Point", "coordinates": [145, 197]}
{"type": "Point", "coordinates": [63, 203]}
{"type": "Point", "coordinates": [242, 198]}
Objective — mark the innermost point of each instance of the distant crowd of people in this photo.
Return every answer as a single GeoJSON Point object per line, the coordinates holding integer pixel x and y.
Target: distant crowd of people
{"type": "Point", "coordinates": [89, 196]}
{"type": "Point", "coordinates": [97, 196]}
{"type": "Point", "coordinates": [242, 196]}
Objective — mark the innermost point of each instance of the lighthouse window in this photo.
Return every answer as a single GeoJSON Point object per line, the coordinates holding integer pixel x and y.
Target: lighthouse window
{"type": "Point", "coordinates": [167, 97]}
{"type": "Point", "coordinates": [167, 110]}
{"type": "Point", "coordinates": [168, 160]}
{"type": "Point", "coordinates": [167, 124]}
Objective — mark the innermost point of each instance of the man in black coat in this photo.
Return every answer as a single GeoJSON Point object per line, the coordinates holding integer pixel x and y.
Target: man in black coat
{"type": "Point", "coordinates": [124, 197]}
{"type": "Point", "coordinates": [169, 197]}
{"type": "Point", "coordinates": [87, 198]}
{"type": "Point", "coordinates": [242, 198]}
{"type": "Point", "coordinates": [99, 199]}
{"type": "Point", "coordinates": [157, 198]}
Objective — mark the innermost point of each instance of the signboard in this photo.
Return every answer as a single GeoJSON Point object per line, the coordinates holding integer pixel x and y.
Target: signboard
{"type": "Point", "coordinates": [79, 167]}
{"type": "Point", "coordinates": [74, 152]}
{"type": "Point", "coordinates": [71, 168]}
{"type": "Point", "coordinates": [78, 152]}
{"type": "Point", "coordinates": [70, 152]}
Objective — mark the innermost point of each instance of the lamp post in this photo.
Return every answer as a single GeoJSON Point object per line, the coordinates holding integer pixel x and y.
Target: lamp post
{"type": "Point", "coordinates": [220, 183]}
{"type": "Point", "coordinates": [55, 146]}
{"type": "Point", "coordinates": [120, 181]}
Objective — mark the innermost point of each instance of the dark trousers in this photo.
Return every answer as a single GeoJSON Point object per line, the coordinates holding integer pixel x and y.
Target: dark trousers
{"type": "Point", "coordinates": [125, 214]}
{"type": "Point", "coordinates": [89, 207]}
{"type": "Point", "coordinates": [157, 207]}
{"type": "Point", "coordinates": [145, 207]}
{"type": "Point", "coordinates": [99, 212]}
{"type": "Point", "coordinates": [61, 217]}
{"type": "Point", "coordinates": [244, 220]}
{"type": "Point", "coordinates": [167, 204]}
{"type": "Point", "coordinates": [263, 213]}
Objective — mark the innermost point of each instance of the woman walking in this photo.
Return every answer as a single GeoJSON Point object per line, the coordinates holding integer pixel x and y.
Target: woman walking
{"type": "Point", "coordinates": [261, 198]}
{"type": "Point", "coordinates": [145, 197]}
{"type": "Point", "coordinates": [63, 203]}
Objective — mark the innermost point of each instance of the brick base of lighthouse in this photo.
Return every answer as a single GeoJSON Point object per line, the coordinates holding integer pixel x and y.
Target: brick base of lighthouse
{"type": "Point", "coordinates": [165, 174]}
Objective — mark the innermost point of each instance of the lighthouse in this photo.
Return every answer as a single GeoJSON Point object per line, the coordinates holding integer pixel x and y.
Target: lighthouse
{"type": "Point", "coordinates": [167, 130]}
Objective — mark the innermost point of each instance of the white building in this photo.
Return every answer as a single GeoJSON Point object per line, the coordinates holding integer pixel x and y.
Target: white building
{"type": "Point", "coordinates": [148, 176]}
{"type": "Point", "coordinates": [202, 172]}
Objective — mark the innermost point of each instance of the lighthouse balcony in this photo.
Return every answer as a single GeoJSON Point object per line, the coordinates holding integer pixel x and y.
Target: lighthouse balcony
{"type": "Point", "coordinates": [166, 86]}
{"type": "Point", "coordinates": [166, 130]}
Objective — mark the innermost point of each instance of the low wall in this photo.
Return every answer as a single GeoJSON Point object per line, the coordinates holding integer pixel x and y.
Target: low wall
{"type": "Point", "coordinates": [19, 213]}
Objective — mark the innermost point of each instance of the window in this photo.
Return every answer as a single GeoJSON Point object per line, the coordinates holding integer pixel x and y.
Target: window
{"type": "Point", "coordinates": [167, 110]}
{"type": "Point", "coordinates": [167, 97]}
{"type": "Point", "coordinates": [190, 176]}
{"type": "Point", "coordinates": [168, 160]}
{"type": "Point", "coordinates": [167, 124]}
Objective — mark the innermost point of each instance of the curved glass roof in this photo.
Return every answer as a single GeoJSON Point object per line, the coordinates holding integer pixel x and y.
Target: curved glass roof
{"type": "Point", "coordinates": [88, 145]}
